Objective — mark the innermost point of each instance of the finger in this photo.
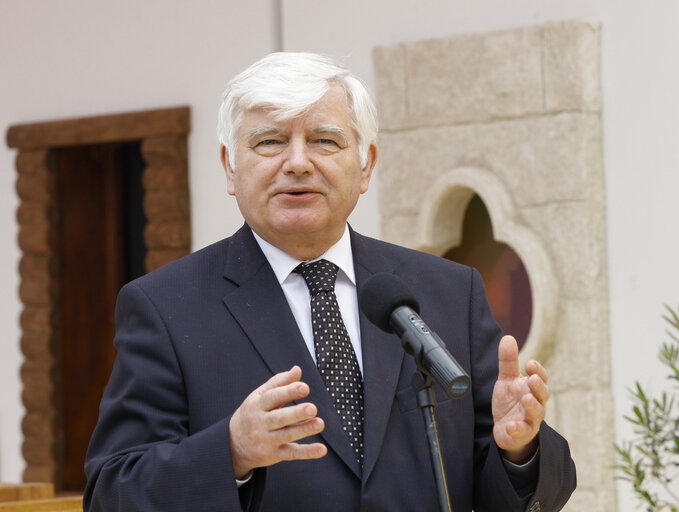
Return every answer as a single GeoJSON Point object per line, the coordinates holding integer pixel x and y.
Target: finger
{"type": "Point", "coordinates": [534, 410]}
{"type": "Point", "coordinates": [277, 397]}
{"type": "Point", "coordinates": [281, 379]}
{"type": "Point", "coordinates": [508, 359]}
{"type": "Point", "coordinates": [285, 416]}
{"type": "Point", "coordinates": [539, 389]}
{"type": "Point", "coordinates": [298, 431]}
{"type": "Point", "coordinates": [299, 451]}
{"type": "Point", "coordinates": [533, 367]}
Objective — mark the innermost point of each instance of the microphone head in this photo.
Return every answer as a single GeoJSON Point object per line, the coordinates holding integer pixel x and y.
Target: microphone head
{"type": "Point", "coordinates": [381, 294]}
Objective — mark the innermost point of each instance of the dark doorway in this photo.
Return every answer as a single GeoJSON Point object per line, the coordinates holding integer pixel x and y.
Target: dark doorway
{"type": "Point", "coordinates": [504, 275]}
{"type": "Point", "coordinates": [100, 230]}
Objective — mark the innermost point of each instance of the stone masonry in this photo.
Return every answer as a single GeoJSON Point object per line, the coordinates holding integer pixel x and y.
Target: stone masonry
{"type": "Point", "coordinates": [515, 117]}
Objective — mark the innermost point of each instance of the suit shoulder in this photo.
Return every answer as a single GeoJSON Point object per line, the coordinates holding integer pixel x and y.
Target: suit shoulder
{"type": "Point", "coordinates": [202, 264]}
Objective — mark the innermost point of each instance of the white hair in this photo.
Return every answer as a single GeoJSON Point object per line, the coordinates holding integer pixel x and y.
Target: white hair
{"type": "Point", "coordinates": [289, 84]}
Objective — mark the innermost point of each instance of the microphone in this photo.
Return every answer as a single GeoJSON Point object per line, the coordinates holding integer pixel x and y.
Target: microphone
{"type": "Point", "coordinates": [389, 304]}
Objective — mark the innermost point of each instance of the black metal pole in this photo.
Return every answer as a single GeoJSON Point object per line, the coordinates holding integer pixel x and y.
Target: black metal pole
{"type": "Point", "coordinates": [423, 385]}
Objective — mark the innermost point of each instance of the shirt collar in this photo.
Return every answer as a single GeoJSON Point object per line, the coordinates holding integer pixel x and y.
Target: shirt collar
{"type": "Point", "coordinates": [283, 264]}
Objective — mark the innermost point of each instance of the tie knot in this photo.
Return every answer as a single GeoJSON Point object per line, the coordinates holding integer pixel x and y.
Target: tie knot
{"type": "Point", "coordinates": [319, 275]}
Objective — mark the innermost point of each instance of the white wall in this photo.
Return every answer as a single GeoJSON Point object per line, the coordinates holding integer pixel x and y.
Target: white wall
{"type": "Point", "coordinates": [87, 57]}
{"type": "Point", "coordinates": [640, 52]}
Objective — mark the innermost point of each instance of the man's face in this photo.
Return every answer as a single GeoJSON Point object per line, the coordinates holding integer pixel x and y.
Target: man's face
{"type": "Point", "coordinates": [297, 181]}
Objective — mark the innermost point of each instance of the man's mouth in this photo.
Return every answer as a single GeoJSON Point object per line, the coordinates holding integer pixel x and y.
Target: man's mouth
{"type": "Point", "coordinates": [299, 192]}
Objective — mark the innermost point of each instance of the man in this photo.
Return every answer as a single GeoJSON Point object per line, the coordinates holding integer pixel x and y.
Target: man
{"type": "Point", "coordinates": [226, 396]}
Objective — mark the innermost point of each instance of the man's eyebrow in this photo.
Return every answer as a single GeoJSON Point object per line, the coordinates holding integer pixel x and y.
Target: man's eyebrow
{"type": "Point", "coordinates": [335, 130]}
{"type": "Point", "coordinates": [262, 130]}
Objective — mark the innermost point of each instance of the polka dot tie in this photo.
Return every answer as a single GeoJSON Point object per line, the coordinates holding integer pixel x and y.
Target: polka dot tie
{"type": "Point", "coordinates": [335, 356]}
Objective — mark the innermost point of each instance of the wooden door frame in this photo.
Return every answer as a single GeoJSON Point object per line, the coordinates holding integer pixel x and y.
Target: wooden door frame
{"type": "Point", "coordinates": [163, 135]}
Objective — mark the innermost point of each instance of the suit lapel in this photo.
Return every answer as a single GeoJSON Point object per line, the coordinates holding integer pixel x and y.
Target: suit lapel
{"type": "Point", "coordinates": [260, 307]}
{"type": "Point", "coordinates": [382, 360]}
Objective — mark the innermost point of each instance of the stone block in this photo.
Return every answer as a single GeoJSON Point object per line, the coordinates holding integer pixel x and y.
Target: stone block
{"type": "Point", "coordinates": [167, 205]}
{"type": "Point", "coordinates": [36, 340]}
{"type": "Point", "coordinates": [585, 418]}
{"type": "Point", "coordinates": [33, 162]}
{"type": "Point", "coordinates": [38, 450]}
{"type": "Point", "coordinates": [38, 372]}
{"type": "Point", "coordinates": [37, 239]}
{"type": "Point", "coordinates": [571, 66]}
{"type": "Point", "coordinates": [168, 149]}
{"type": "Point", "coordinates": [540, 160]}
{"type": "Point", "coordinates": [476, 77]}
{"type": "Point", "coordinates": [400, 230]}
{"type": "Point", "coordinates": [167, 235]}
{"type": "Point", "coordinates": [34, 213]}
{"type": "Point", "coordinates": [45, 472]}
{"type": "Point", "coordinates": [36, 266]}
{"type": "Point", "coordinates": [34, 318]}
{"type": "Point", "coordinates": [37, 344]}
{"type": "Point", "coordinates": [36, 292]}
{"type": "Point", "coordinates": [590, 500]}
{"type": "Point", "coordinates": [575, 235]}
{"type": "Point", "coordinates": [403, 178]}
{"type": "Point", "coordinates": [36, 185]}
{"type": "Point", "coordinates": [391, 81]}
{"type": "Point", "coordinates": [580, 357]}
{"type": "Point", "coordinates": [38, 397]}
{"type": "Point", "coordinates": [545, 159]}
{"type": "Point", "coordinates": [162, 177]}
{"type": "Point", "coordinates": [38, 424]}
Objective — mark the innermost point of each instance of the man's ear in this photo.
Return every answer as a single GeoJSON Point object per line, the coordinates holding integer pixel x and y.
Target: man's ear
{"type": "Point", "coordinates": [367, 170]}
{"type": "Point", "coordinates": [224, 155]}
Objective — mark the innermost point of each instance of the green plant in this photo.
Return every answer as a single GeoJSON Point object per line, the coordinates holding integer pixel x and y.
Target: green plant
{"type": "Point", "coordinates": [651, 461]}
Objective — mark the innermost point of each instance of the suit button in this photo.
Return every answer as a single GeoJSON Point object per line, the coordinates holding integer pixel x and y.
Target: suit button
{"type": "Point", "coordinates": [535, 507]}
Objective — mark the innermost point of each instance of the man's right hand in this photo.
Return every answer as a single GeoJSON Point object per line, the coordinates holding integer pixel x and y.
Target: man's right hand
{"type": "Point", "coordinates": [263, 432]}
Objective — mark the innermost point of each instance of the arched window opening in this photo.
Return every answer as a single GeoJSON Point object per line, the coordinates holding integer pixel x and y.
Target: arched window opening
{"type": "Point", "coordinates": [504, 274]}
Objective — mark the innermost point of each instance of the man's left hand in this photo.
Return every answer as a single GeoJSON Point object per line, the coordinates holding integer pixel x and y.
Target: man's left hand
{"type": "Point", "coordinates": [518, 403]}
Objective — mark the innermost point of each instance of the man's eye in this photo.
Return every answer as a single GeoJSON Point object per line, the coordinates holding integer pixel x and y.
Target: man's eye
{"type": "Point", "coordinates": [268, 142]}
{"type": "Point", "coordinates": [326, 142]}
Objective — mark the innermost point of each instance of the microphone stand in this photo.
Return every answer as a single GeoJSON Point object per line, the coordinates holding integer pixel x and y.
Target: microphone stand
{"type": "Point", "coordinates": [423, 385]}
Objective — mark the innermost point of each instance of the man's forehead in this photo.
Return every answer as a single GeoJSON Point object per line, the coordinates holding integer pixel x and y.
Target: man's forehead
{"type": "Point", "coordinates": [332, 105]}
{"type": "Point", "coordinates": [257, 123]}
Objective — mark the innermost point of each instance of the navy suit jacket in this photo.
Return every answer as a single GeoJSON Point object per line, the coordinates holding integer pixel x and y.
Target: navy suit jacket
{"type": "Point", "coordinates": [195, 337]}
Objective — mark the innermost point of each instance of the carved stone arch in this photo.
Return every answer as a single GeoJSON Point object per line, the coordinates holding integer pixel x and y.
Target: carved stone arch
{"type": "Point", "coordinates": [440, 227]}
{"type": "Point", "coordinates": [525, 105]}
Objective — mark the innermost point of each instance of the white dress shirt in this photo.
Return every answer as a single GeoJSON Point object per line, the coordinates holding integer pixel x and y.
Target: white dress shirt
{"type": "Point", "coordinates": [299, 298]}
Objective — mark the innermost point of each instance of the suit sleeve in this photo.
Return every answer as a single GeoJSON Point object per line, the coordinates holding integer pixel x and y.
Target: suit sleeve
{"type": "Point", "coordinates": [143, 455]}
{"type": "Point", "coordinates": [493, 488]}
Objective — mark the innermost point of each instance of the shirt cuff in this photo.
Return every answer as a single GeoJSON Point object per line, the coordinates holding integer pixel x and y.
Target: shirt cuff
{"type": "Point", "coordinates": [524, 477]}
{"type": "Point", "coordinates": [245, 480]}
{"type": "Point", "coordinates": [525, 465]}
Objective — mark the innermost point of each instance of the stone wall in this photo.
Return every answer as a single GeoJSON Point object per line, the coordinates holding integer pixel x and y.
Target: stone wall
{"type": "Point", "coordinates": [515, 117]}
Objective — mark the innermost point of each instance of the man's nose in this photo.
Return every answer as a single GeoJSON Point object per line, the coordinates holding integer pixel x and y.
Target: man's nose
{"type": "Point", "coordinates": [298, 159]}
